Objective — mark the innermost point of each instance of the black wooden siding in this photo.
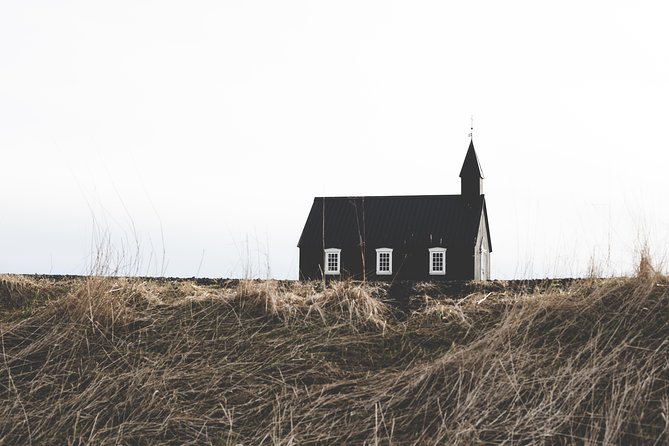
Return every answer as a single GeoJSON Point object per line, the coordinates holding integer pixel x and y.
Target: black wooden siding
{"type": "Point", "coordinates": [410, 225]}
{"type": "Point", "coordinates": [408, 264]}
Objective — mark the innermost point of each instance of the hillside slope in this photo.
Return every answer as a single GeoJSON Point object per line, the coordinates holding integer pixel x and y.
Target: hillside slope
{"type": "Point", "coordinates": [108, 361]}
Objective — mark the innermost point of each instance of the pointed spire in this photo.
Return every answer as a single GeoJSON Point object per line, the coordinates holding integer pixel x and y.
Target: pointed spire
{"type": "Point", "coordinates": [471, 167]}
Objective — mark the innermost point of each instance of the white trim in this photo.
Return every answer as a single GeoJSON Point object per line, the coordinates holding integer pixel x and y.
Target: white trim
{"type": "Point", "coordinates": [434, 252]}
{"type": "Point", "coordinates": [336, 253]}
{"type": "Point", "coordinates": [379, 252]}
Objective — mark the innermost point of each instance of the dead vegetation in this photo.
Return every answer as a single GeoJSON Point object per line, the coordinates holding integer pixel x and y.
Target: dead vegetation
{"type": "Point", "coordinates": [109, 361]}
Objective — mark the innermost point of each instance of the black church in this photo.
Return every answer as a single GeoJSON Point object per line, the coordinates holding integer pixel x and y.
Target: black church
{"type": "Point", "coordinates": [422, 237]}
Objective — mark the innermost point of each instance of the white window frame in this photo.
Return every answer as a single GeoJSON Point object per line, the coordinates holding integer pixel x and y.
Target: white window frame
{"type": "Point", "coordinates": [433, 251]}
{"type": "Point", "coordinates": [380, 251]}
{"type": "Point", "coordinates": [326, 266]}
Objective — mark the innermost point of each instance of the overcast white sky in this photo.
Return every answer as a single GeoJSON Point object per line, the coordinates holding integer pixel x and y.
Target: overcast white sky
{"type": "Point", "coordinates": [203, 129]}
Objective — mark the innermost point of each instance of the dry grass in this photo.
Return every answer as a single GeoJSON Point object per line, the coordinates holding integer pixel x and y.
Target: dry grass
{"type": "Point", "coordinates": [109, 361]}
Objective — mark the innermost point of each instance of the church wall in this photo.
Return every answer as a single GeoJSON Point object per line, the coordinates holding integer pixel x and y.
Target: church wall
{"type": "Point", "coordinates": [409, 263]}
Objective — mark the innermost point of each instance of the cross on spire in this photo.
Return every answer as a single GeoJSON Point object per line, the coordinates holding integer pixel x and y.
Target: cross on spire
{"type": "Point", "coordinates": [471, 129]}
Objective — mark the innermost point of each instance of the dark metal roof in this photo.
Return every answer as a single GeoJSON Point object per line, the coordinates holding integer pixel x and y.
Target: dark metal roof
{"type": "Point", "coordinates": [471, 165]}
{"type": "Point", "coordinates": [392, 221]}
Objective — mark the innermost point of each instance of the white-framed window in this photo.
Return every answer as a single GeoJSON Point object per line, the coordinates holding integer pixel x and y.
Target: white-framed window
{"type": "Point", "coordinates": [437, 261]}
{"type": "Point", "coordinates": [332, 261]}
{"type": "Point", "coordinates": [384, 261]}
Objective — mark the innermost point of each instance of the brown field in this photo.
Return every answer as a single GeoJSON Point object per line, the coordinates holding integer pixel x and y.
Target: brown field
{"type": "Point", "coordinates": [132, 361]}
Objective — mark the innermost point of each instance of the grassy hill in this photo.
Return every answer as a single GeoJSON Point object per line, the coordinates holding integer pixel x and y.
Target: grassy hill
{"type": "Point", "coordinates": [132, 361]}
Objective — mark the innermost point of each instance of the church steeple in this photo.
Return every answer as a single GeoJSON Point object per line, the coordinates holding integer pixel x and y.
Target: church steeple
{"type": "Point", "coordinates": [471, 176]}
